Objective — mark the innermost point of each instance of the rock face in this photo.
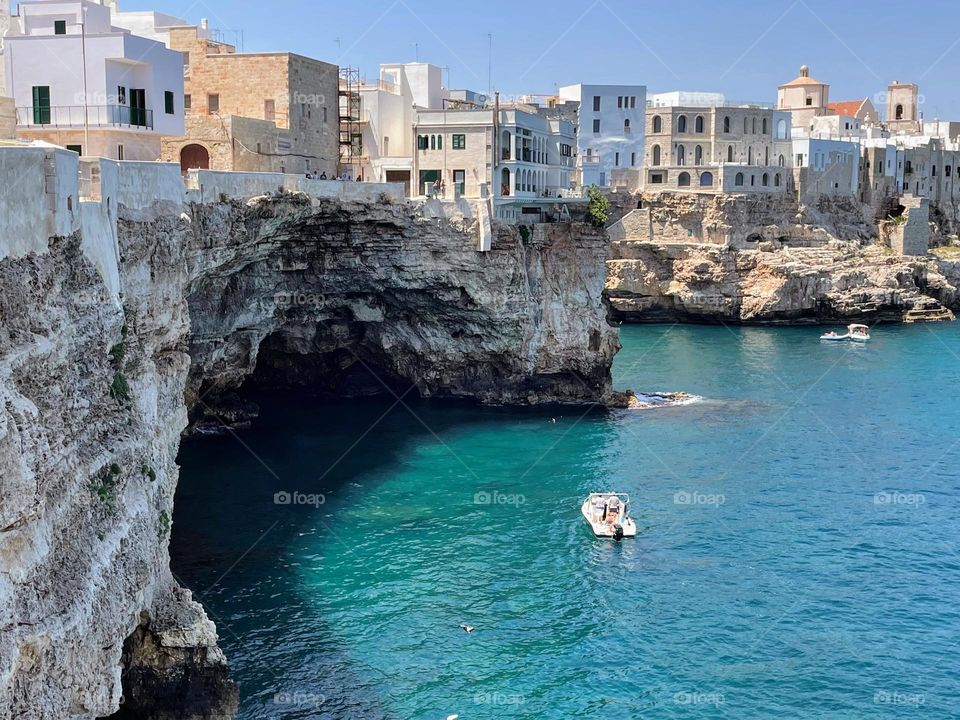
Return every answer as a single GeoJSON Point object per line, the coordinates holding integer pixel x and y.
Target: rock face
{"type": "Point", "coordinates": [360, 299]}
{"type": "Point", "coordinates": [96, 384]}
{"type": "Point", "coordinates": [764, 260]}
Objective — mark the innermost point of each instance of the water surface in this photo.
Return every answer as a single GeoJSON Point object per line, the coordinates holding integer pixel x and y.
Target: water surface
{"type": "Point", "coordinates": [798, 557]}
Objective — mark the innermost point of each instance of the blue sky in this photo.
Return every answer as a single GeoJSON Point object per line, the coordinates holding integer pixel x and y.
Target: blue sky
{"type": "Point", "coordinates": [743, 48]}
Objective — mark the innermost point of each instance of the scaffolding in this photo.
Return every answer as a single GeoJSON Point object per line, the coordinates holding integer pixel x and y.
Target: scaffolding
{"type": "Point", "coordinates": [351, 133]}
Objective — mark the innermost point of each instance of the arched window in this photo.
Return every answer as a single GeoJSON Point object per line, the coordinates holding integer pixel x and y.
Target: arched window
{"type": "Point", "coordinates": [683, 180]}
{"type": "Point", "coordinates": [730, 153]}
{"type": "Point", "coordinates": [749, 156]}
{"type": "Point", "coordinates": [766, 156]}
{"type": "Point", "coordinates": [698, 124]}
{"type": "Point", "coordinates": [657, 124]}
{"type": "Point", "coordinates": [681, 155]}
{"type": "Point", "coordinates": [776, 180]}
{"type": "Point", "coordinates": [439, 142]}
{"type": "Point", "coordinates": [433, 142]}
{"type": "Point", "coordinates": [754, 126]}
{"type": "Point", "coordinates": [738, 180]}
{"type": "Point", "coordinates": [626, 125]}
{"type": "Point", "coordinates": [781, 129]}
{"type": "Point", "coordinates": [506, 145]}
{"type": "Point", "coordinates": [682, 124]}
{"type": "Point", "coordinates": [726, 124]}
{"type": "Point", "coordinates": [656, 155]}
{"type": "Point", "coordinates": [698, 155]}
{"type": "Point", "coordinates": [781, 161]}
{"type": "Point", "coordinates": [746, 126]}
{"type": "Point", "coordinates": [505, 183]}
{"type": "Point", "coordinates": [706, 180]}
{"type": "Point", "coordinates": [765, 180]}
{"type": "Point", "coordinates": [764, 126]}
{"type": "Point", "coordinates": [899, 112]}
{"type": "Point", "coordinates": [519, 180]}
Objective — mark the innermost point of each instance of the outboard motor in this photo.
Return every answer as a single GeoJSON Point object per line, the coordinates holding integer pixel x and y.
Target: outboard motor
{"type": "Point", "coordinates": [618, 532]}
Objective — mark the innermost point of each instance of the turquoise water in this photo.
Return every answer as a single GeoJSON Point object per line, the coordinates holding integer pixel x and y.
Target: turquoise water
{"type": "Point", "coordinates": [798, 555]}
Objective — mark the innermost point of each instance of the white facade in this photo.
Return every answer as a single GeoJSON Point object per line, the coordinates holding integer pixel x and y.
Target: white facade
{"type": "Point", "coordinates": [610, 121]}
{"type": "Point", "coordinates": [686, 98]}
{"type": "Point", "coordinates": [835, 164]}
{"type": "Point", "coordinates": [127, 94]}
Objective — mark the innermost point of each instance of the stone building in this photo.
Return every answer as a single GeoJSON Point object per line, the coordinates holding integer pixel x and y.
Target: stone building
{"type": "Point", "coordinates": [903, 108]}
{"type": "Point", "coordinates": [714, 149]}
{"type": "Point", "coordinates": [252, 112]}
{"type": "Point", "coordinates": [804, 97]}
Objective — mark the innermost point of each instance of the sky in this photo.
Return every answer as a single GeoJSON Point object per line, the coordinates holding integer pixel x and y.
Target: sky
{"type": "Point", "coordinates": [742, 48]}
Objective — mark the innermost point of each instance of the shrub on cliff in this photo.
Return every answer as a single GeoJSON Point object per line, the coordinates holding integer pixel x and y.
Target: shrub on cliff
{"type": "Point", "coordinates": [599, 207]}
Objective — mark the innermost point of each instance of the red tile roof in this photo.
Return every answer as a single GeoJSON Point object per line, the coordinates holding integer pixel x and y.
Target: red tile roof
{"type": "Point", "coordinates": [849, 109]}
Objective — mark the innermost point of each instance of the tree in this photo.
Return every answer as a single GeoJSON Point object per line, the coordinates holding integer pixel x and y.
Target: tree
{"type": "Point", "coordinates": [599, 207]}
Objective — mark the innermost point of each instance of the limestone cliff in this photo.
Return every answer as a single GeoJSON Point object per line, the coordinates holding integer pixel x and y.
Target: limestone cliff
{"type": "Point", "coordinates": [119, 316]}
{"type": "Point", "coordinates": [765, 259]}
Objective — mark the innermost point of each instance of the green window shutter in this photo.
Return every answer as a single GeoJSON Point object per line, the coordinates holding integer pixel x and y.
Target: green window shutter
{"type": "Point", "coordinates": [41, 104]}
{"type": "Point", "coordinates": [168, 102]}
{"type": "Point", "coordinates": [459, 142]}
{"type": "Point", "coordinates": [59, 27]}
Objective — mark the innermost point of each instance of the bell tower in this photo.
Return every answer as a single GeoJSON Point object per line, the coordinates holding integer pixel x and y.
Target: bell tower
{"type": "Point", "coordinates": [903, 107]}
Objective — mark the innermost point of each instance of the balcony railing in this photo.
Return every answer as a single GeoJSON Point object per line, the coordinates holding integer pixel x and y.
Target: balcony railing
{"type": "Point", "coordinates": [76, 116]}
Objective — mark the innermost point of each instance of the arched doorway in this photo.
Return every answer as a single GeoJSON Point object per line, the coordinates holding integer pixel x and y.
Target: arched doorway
{"type": "Point", "coordinates": [194, 157]}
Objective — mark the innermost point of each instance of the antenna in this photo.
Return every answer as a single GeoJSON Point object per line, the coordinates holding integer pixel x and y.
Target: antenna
{"type": "Point", "coordinates": [416, 47]}
{"type": "Point", "coordinates": [490, 63]}
{"type": "Point", "coordinates": [339, 42]}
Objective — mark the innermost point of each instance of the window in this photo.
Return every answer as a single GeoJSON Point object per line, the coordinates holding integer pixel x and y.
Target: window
{"type": "Point", "coordinates": [439, 142]}
{"type": "Point", "coordinates": [633, 102]}
{"type": "Point", "coordinates": [75, 148]}
{"type": "Point", "coordinates": [656, 155]}
{"type": "Point", "coordinates": [620, 101]}
{"type": "Point", "coordinates": [776, 180]}
{"type": "Point", "coordinates": [270, 110]}
{"type": "Point", "coordinates": [168, 102]}
{"type": "Point", "coordinates": [682, 124]}
{"type": "Point", "coordinates": [213, 104]}
{"type": "Point", "coordinates": [765, 180]}
{"type": "Point", "coordinates": [754, 126]}
{"type": "Point", "coordinates": [730, 153]}
{"type": "Point", "coordinates": [187, 102]}
{"type": "Point", "coordinates": [656, 178]}
{"type": "Point", "coordinates": [423, 142]}
{"type": "Point", "coordinates": [596, 103]}
{"type": "Point", "coordinates": [41, 104]}
{"type": "Point", "coordinates": [433, 142]}
{"type": "Point", "coordinates": [460, 181]}
{"type": "Point", "coordinates": [899, 112]}
{"type": "Point", "coordinates": [781, 161]}
{"type": "Point", "coordinates": [633, 159]}
{"type": "Point", "coordinates": [698, 155]}
{"type": "Point", "coordinates": [809, 102]}
{"type": "Point", "coordinates": [726, 124]}
{"type": "Point", "coordinates": [698, 124]}
{"type": "Point", "coordinates": [459, 142]}
{"type": "Point", "coordinates": [121, 95]}
{"type": "Point", "coordinates": [738, 180]}
{"type": "Point", "coordinates": [764, 126]}
{"type": "Point", "coordinates": [566, 150]}
{"type": "Point", "coordinates": [681, 155]}
{"type": "Point", "coordinates": [596, 127]}
{"type": "Point", "coordinates": [616, 159]}
{"type": "Point", "coordinates": [946, 170]}
{"type": "Point", "coordinates": [706, 180]}
{"type": "Point", "coordinates": [59, 27]}
{"type": "Point", "coordinates": [746, 126]}
{"type": "Point", "coordinates": [683, 180]}
{"type": "Point", "coordinates": [626, 126]}
{"type": "Point", "coordinates": [119, 152]}
{"type": "Point", "coordinates": [657, 124]}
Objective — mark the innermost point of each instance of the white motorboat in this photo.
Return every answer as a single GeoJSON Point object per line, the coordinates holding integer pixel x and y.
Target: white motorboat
{"type": "Point", "coordinates": [856, 333]}
{"type": "Point", "coordinates": [608, 515]}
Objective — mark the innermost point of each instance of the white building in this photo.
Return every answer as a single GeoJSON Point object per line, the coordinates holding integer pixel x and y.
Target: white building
{"type": "Point", "coordinates": [388, 113]}
{"type": "Point", "coordinates": [82, 83]}
{"type": "Point", "coordinates": [826, 167]}
{"type": "Point", "coordinates": [685, 98]}
{"type": "Point", "coordinates": [609, 124]}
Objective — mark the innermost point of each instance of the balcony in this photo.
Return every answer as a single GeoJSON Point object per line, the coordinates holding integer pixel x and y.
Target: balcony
{"type": "Point", "coordinates": [590, 159]}
{"type": "Point", "coordinates": [77, 116]}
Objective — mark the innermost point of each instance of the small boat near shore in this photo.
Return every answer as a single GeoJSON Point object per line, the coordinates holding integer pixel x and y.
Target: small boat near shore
{"type": "Point", "coordinates": [608, 515]}
{"type": "Point", "coordinates": [855, 333]}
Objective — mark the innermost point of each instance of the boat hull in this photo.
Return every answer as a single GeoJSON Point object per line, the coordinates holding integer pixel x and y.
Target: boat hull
{"type": "Point", "coordinates": [602, 529]}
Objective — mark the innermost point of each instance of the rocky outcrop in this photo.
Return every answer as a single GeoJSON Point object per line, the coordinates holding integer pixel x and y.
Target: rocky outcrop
{"type": "Point", "coordinates": [649, 282]}
{"type": "Point", "coordinates": [111, 333]}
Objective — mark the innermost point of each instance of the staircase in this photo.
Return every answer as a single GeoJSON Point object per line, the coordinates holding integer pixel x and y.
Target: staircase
{"type": "Point", "coordinates": [926, 309]}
